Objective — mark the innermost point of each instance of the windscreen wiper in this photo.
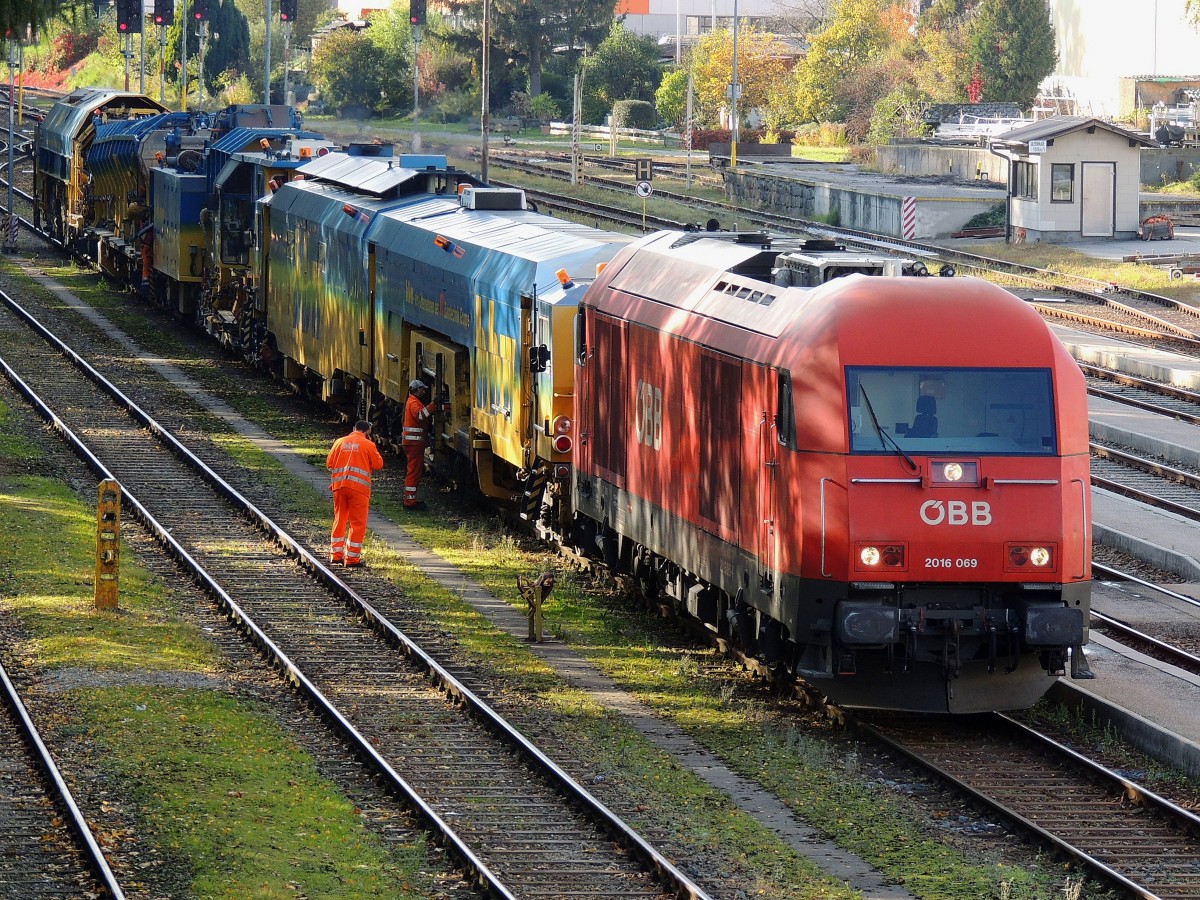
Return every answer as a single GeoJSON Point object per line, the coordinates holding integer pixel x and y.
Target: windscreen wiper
{"type": "Point", "coordinates": [884, 437]}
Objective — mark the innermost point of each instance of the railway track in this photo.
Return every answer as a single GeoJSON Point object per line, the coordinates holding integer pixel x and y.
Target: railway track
{"type": "Point", "coordinates": [1084, 302]}
{"type": "Point", "coordinates": [1128, 836]}
{"type": "Point", "coordinates": [1181, 649]}
{"type": "Point", "coordinates": [47, 848]}
{"type": "Point", "coordinates": [513, 819]}
{"type": "Point", "coordinates": [1143, 393]}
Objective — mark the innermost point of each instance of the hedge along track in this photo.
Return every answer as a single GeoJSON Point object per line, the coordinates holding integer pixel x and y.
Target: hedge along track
{"type": "Point", "coordinates": [514, 820]}
{"type": "Point", "coordinates": [47, 848]}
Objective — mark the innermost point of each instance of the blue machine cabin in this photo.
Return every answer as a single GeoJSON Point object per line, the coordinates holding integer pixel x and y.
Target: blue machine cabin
{"type": "Point", "coordinates": [178, 200]}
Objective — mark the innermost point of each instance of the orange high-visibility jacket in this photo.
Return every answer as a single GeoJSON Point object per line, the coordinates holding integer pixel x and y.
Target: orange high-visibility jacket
{"type": "Point", "coordinates": [351, 461]}
{"type": "Point", "coordinates": [416, 421]}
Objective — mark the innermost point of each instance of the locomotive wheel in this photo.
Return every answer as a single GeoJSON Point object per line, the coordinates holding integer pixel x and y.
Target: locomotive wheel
{"type": "Point", "coordinates": [645, 579]}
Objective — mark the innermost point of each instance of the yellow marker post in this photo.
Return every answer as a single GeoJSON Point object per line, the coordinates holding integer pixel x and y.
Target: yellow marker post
{"type": "Point", "coordinates": [108, 543]}
{"type": "Point", "coordinates": [536, 593]}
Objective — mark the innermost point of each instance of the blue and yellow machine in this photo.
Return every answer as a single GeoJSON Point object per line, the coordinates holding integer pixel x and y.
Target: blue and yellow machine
{"type": "Point", "coordinates": [63, 140]}
{"type": "Point", "coordinates": [381, 271]}
{"type": "Point", "coordinates": [242, 167]}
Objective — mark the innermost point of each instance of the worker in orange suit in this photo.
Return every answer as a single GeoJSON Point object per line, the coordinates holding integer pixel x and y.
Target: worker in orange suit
{"type": "Point", "coordinates": [350, 464]}
{"type": "Point", "coordinates": [417, 418]}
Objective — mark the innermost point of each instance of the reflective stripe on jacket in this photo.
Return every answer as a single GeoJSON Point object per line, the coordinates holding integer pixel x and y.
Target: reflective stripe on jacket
{"type": "Point", "coordinates": [416, 421]}
{"type": "Point", "coordinates": [351, 462]}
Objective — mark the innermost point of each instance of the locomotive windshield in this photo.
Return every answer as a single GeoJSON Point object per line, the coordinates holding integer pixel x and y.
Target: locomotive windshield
{"type": "Point", "coordinates": [978, 411]}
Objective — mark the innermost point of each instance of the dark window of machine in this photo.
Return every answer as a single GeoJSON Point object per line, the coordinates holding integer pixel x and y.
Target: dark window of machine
{"type": "Point", "coordinates": [1062, 182]}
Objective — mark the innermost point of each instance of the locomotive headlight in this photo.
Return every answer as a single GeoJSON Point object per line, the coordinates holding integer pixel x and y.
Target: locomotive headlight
{"type": "Point", "coordinates": [958, 472]}
{"type": "Point", "coordinates": [1039, 557]}
{"type": "Point", "coordinates": [562, 425]}
{"type": "Point", "coordinates": [873, 556]}
{"type": "Point", "coordinates": [563, 443]}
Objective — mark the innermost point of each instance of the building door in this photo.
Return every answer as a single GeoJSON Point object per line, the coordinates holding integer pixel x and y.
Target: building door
{"type": "Point", "coordinates": [1098, 188]}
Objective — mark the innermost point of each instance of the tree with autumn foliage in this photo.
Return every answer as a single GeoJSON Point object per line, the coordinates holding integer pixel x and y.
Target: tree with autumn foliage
{"type": "Point", "coordinates": [839, 75]}
{"type": "Point", "coordinates": [942, 69]}
{"type": "Point", "coordinates": [1012, 43]}
{"type": "Point", "coordinates": [763, 62]}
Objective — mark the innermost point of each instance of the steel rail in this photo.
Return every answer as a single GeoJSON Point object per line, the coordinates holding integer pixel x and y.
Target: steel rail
{"type": "Point", "coordinates": [1169, 391]}
{"type": "Point", "coordinates": [66, 800]}
{"type": "Point", "coordinates": [1112, 780]}
{"type": "Point", "coordinates": [633, 842]}
{"type": "Point", "coordinates": [1149, 499]}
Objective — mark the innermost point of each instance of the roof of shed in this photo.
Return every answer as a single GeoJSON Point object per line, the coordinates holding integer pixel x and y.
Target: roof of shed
{"type": "Point", "coordinates": [1057, 126]}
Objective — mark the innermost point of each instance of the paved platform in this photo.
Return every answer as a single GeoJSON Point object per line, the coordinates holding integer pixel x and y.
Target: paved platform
{"type": "Point", "coordinates": [1185, 242]}
{"type": "Point", "coordinates": [1167, 727]}
{"type": "Point", "coordinates": [1164, 539]}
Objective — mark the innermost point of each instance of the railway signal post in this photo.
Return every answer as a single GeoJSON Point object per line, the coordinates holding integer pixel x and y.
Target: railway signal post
{"type": "Point", "coordinates": [14, 63]}
{"type": "Point", "coordinates": [108, 544]}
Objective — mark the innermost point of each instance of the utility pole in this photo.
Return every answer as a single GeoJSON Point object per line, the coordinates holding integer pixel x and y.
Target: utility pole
{"type": "Point", "coordinates": [416, 141]}
{"type": "Point", "coordinates": [734, 90]}
{"type": "Point", "coordinates": [267, 79]}
{"type": "Point", "coordinates": [183, 60]}
{"type": "Point", "coordinates": [576, 103]}
{"type": "Point", "coordinates": [486, 76]}
{"type": "Point", "coordinates": [14, 63]}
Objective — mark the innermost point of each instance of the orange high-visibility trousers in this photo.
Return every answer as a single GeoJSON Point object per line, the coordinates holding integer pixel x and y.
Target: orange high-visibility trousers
{"type": "Point", "coordinates": [349, 510]}
{"type": "Point", "coordinates": [416, 469]}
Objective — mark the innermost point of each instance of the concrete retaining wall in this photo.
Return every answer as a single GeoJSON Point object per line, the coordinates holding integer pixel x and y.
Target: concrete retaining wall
{"type": "Point", "coordinates": [935, 216]}
{"type": "Point", "coordinates": [962, 163]}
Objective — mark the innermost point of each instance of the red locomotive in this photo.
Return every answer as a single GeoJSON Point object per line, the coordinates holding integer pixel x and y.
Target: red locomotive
{"type": "Point", "coordinates": [878, 483]}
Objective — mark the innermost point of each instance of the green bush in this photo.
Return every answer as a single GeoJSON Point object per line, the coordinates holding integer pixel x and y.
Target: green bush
{"type": "Point", "coordinates": [993, 217]}
{"type": "Point", "coordinates": [634, 114]}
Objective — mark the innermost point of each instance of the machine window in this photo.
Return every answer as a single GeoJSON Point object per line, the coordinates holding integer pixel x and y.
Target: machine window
{"type": "Point", "coordinates": [976, 411]}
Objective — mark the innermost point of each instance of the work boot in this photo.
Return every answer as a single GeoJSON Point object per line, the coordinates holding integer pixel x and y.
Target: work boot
{"type": "Point", "coordinates": [419, 506]}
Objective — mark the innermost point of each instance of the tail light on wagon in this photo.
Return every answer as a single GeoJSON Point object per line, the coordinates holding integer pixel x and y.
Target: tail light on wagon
{"type": "Point", "coordinates": [562, 440]}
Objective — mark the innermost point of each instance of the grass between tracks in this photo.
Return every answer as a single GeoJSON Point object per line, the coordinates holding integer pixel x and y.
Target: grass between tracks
{"type": "Point", "coordinates": [821, 781]}
{"type": "Point", "coordinates": [218, 787]}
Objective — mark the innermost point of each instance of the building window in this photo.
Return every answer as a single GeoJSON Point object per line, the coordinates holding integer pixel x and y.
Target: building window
{"type": "Point", "coordinates": [1062, 182]}
{"type": "Point", "coordinates": [1025, 182]}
